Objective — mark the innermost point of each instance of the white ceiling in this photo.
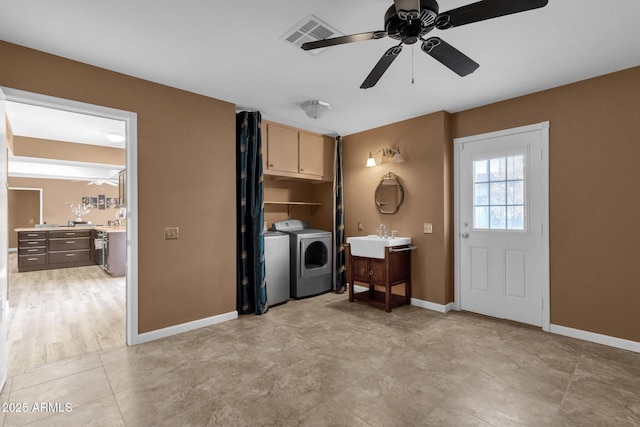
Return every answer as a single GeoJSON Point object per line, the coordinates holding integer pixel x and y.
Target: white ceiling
{"type": "Point", "coordinates": [57, 125]}
{"type": "Point", "coordinates": [232, 50]}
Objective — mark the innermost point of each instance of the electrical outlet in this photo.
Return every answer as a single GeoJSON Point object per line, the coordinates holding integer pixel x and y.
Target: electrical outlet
{"type": "Point", "coordinates": [360, 226]}
{"type": "Point", "coordinates": [428, 228]}
{"type": "Point", "coordinates": [171, 233]}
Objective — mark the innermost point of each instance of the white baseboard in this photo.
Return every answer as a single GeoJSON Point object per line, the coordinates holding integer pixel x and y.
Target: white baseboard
{"type": "Point", "coordinates": [418, 302]}
{"type": "Point", "coordinates": [432, 305]}
{"type": "Point", "coordinates": [184, 327]}
{"type": "Point", "coordinates": [554, 329]}
{"type": "Point", "coordinates": [596, 338]}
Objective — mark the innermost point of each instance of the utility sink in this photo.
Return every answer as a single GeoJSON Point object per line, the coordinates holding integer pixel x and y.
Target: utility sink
{"type": "Point", "coordinates": [373, 246]}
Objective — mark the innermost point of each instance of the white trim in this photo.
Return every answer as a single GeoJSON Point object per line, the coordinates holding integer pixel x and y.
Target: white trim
{"type": "Point", "coordinates": [418, 302]}
{"type": "Point", "coordinates": [432, 305]}
{"type": "Point", "coordinates": [130, 120]}
{"type": "Point", "coordinates": [185, 327]}
{"type": "Point", "coordinates": [544, 145]}
{"type": "Point", "coordinates": [596, 338]}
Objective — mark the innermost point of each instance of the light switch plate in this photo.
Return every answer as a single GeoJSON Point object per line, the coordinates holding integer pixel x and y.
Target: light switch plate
{"type": "Point", "coordinates": [360, 226]}
{"type": "Point", "coordinates": [428, 228]}
{"type": "Point", "coordinates": [171, 233]}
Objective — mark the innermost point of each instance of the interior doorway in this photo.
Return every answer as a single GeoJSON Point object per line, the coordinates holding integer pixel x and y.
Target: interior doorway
{"type": "Point", "coordinates": [129, 284]}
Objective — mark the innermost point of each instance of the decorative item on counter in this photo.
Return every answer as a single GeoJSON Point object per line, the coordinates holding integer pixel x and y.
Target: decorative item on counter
{"type": "Point", "coordinates": [121, 215]}
{"type": "Point", "coordinates": [79, 210]}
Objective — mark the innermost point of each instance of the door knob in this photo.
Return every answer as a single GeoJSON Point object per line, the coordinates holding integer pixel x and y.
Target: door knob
{"type": "Point", "coordinates": [464, 235]}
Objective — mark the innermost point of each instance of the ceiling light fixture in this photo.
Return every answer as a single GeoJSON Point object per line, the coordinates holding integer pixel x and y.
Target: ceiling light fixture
{"type": "Point", "coordinates": [316, 108]}
{"type": "Point", "coordinates": [391, 155]}
{"type": "Point", "coordinates": [115, 137]}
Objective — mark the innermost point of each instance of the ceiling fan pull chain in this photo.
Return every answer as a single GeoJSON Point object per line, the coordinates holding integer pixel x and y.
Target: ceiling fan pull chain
{"type": "Point", "coordinates": [412, 73]}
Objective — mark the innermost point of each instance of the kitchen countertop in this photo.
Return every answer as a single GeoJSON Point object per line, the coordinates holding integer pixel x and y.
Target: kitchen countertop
{"type": "Point", "coordinates": [108, 229]}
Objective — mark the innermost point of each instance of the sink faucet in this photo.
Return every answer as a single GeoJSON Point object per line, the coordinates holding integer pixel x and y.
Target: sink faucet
{"type": "Point", "coordinates": [380, 231]}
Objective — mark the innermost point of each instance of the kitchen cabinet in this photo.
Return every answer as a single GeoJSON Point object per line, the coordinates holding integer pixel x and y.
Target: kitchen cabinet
{"type": "Point", "coordinates": [393, 270]}
{"type": "Point", "coordinates": [45, 250]}
{"type": "Point", "coordinates": [292, 153]}
{"type": "Point", "coordinates": [115, 253]}
{"type": "Point", "coordinates": [32, 250]}
{"type": "Point", "coordinates": [69, 247]}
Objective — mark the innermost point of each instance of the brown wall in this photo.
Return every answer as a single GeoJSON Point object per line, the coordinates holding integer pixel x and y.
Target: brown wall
{"type": "Point", "coordinates": [55, 194]}
{"type": "Point", "coordinates": [594, 150]}
{"type": "Point", "coordinates": [59, 150]}
{"type": "Point", "coordinates": [23, 209]}
{"type": "Point", "coordinates": [186, 144]}
{"type": "Point", "coordinates": [425, 145]}
{"type": "Point", "coordinates": [594, 196]}
{"type": "Point", "coordinates": [319, 217]}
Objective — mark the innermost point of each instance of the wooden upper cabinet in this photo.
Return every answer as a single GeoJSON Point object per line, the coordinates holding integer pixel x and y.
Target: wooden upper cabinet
{"type": "Point", "coordinates": [282, 148]}
{"type": "Point", "coordinates": [311, 154]}
{"type": "Point", "coordinates": [289, 152]}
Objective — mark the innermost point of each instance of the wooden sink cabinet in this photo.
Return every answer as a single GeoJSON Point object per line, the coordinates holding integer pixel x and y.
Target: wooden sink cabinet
{"type": "Point", "coordinates": [393, 270]}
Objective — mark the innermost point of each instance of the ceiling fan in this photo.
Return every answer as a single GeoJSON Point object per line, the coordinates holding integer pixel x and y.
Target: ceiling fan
{"type": "Point", "coordinates": [410, 20]}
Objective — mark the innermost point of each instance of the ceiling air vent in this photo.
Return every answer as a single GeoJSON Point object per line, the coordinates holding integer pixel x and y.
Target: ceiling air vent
{"type": "Point", "coordinates": [310, 29]}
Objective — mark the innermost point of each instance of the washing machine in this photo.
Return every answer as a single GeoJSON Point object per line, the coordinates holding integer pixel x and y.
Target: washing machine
{"type": "Point", "coordinates": [310, 258]}
{"type": "Point", "coordinates": [277, 269]}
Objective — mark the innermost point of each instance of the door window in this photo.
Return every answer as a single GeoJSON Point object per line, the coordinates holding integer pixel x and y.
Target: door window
{"type": "Point", "coordinates": [499, 193]}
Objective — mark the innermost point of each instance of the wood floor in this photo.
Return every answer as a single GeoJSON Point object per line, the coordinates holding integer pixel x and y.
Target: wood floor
{"type": "Point", "coordinates": [57, 314]}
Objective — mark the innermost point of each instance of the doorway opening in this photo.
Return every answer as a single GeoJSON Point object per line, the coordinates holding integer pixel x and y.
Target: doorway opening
{"type": "Point", "coordinates": [75, 310]}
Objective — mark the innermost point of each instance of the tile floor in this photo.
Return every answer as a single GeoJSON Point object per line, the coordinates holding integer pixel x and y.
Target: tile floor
{"type": "Point", "coordinates": [326, 362]}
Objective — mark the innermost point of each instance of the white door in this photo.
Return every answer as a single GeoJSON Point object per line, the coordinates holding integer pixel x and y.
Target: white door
{"type": "Point", "coordinates": [4, 244]}
{"type": "Point", "coordinates": [502, 186]}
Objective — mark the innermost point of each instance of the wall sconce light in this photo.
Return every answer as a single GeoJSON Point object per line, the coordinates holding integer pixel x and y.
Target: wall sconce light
{"type": "Point", "coordinates": [391, 155]}
{"type": "Point", "coordinates": [315, 108]}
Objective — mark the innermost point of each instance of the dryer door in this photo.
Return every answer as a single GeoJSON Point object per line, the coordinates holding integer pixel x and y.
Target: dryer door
{"type": "Point", "coordinates": [315, 256]}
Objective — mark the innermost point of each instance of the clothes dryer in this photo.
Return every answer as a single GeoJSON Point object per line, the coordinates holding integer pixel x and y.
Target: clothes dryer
{"type": "Point", "coordinates": [311, 258]}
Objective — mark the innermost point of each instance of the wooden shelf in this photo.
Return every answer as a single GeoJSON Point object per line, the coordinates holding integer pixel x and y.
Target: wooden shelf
{"type": "Point", "coordinates": [291, 205]}
{"type": "Point", "coordinates": [376, 298]}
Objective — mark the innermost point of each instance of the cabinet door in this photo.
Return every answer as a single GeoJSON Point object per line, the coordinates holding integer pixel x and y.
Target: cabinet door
{"type": "Point", "coordinates": [282, 148]}
{"type": "Point", "coordinates": [376, 271]}
{"type": "Point", "coordinates": [359, 269]}
{"type": "Point", "coordinates": [311, 156]}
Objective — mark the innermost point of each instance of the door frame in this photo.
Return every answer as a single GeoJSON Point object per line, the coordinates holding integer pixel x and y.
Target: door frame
{"type": "Point", "coordinates": [131, 164]}
{"type": "Point", "coordinates": [458, 143]}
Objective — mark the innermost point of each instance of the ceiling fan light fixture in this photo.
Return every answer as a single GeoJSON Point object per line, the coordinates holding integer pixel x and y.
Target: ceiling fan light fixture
{"type": "Point", "coordinates": [115, 137]}
{"type": "Point", "coordinates": [316, 108]}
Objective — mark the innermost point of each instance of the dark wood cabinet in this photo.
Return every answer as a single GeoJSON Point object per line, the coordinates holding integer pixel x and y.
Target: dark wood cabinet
{"type": "Point", "coordinates": [394, 269]}
{"type": "Point", "coordinates": [44, 250]}
{"type": "Point", "coordinates": [115, 253]}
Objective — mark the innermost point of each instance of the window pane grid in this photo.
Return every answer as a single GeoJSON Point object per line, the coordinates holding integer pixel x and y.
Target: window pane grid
{"type": "Point", "coordinates": [498, 193]}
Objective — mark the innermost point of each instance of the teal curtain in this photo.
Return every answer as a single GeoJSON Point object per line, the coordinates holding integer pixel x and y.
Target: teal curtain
{"type": "Point", "coordinates": [340, 282]}
{"type": "Point", "coordinates": [251, 282]}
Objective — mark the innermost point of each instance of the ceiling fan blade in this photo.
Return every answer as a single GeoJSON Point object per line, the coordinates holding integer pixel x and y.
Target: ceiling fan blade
{"type": "Point", "coordinates": [389, 56]}
{"type": "Point", "coordinates": [449, 56]}
{"type": "Point", "coordinates": [344, 39]}
{"type": "Point", "coordinates": [486, 9]}
{"type": "Point", "coordinates": [407, 9]}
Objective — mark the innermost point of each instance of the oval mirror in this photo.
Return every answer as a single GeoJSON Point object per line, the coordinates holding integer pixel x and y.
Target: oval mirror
{"type": "Point", "coordinates": [389, 194]}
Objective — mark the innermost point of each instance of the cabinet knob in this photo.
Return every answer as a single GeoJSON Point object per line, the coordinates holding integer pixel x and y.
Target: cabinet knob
{"type": "Point", "coordinates": [270, 165]}
{"type": "Point", "coordinates": [371, 273]}
{"type": "Point", "coordinates": [301, 170]}
{"type": "Point", "coordinates": [362, 271]}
